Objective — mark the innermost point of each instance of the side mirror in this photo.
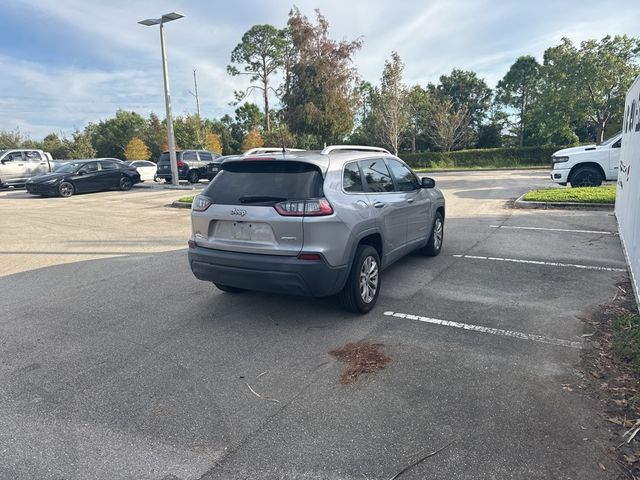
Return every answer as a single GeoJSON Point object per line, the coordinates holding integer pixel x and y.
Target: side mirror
{"type": "Point", "coordinates": [81, 172]}
{"type": "Point", "coordinates": [428, 182]}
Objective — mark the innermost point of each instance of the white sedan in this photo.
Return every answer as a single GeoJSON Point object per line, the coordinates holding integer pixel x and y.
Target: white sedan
{"type": "Point", "coordinates": [146, 169]}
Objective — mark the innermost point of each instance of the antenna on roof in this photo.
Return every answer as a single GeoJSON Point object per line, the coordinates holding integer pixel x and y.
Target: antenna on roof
{"type": "Point", "coordinates": [282, 142]}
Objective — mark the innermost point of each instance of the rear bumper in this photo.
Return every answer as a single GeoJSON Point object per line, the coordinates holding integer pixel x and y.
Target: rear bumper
{"type": "Point", "coordinates": [267, 273]}
{"type": "Point", "coordinates": [182, 173]}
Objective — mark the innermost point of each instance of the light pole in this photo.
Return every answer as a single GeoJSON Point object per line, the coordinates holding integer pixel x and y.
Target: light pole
{"type": "Point", "coordinates": [167, 17]}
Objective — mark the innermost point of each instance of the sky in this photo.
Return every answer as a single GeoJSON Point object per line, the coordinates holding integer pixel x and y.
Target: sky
{"type": "Point", "coordinates": [66, 63]}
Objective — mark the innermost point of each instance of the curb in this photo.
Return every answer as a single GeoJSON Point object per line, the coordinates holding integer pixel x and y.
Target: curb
{"type": "Point", "coordinates": [520, 203]}
{"type": "Point", "coordinates": [162, 186]}
{"type": "Point", "coordinates": [178, 204]}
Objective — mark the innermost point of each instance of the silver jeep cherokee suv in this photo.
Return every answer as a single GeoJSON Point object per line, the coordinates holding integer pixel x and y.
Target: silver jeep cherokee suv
{"type": "Point", "coordinates": [313, 223]}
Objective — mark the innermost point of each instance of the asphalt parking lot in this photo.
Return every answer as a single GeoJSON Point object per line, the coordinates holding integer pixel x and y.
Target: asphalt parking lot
{"type": "Point", "coordinates": [115, 363]}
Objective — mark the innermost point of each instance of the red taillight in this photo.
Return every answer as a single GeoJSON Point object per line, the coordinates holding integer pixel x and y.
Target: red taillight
{"type": "Point", "coordinates": [180, 164]}
{"type": "Point", "coordinates": [309, 256]}
{"type": "Point", "coordinates": [315, 207]}
{"type": "Point", "coordinates": [192, 244]}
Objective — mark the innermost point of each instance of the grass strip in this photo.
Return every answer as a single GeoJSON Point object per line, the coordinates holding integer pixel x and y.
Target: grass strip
{"type": "Point", "coordinates": [626, 340]}
{"type": "Point", "coordinates": [186, 199]}
{"type": "Point", "coordinates": [604, 194]}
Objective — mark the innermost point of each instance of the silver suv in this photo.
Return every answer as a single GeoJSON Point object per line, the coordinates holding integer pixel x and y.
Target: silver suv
{"type": "Point", "coordinates": [313, 223]}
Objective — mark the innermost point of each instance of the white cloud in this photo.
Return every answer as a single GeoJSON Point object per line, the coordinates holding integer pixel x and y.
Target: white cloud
{"type": "Point", "coordinates": [118, 64]}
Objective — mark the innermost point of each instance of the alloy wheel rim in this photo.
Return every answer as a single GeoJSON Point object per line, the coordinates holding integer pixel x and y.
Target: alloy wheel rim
{"type": "Point", "coordinates": [124, 183]}
{"type": "Point", "coordinates": [65, 189]}
{"type": "Point", "coordinates": [368, 279]}
{"type": "Point", "coordinates": [437, 234]}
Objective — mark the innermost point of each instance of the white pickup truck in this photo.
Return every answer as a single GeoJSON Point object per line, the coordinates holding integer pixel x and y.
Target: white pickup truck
{"type": "Point", "coordinates": [588, 165]}
{"type": "Point", "coordinates": [17, 165]}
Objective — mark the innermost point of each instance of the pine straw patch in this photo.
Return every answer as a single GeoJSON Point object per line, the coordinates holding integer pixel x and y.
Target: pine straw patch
{"type": "Point", "coordinates": [615, 381]}
{"type": "Point", "coordinates": [361, 358]}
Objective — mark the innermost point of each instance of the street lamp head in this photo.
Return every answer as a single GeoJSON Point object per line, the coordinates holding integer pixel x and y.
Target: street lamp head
{"type": "Point", "coordinates": [150, 22]}
{"type": "Point", "coordinates": [167, 17]}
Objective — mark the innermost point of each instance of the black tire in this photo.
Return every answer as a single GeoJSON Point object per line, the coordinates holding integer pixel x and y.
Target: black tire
{"type": "Point", "coordinates": [434, 245]}
{"type": "Point", "coordinates": [228, 289]}
{"type": "Point", "coordinates": [125, 183]}
{"type": "Point", "coordinates": [66, 189]}
{"type": "Point", "coordinates": [193, 177]}
{"type": "Point", "coordinates": [586, 177]}
{"type": "Point", "coordinates": [357, 295]}
{"type": "Point", "coordinates": [156, 178]}
{"type": "Point", "coordinates": [167, 180]}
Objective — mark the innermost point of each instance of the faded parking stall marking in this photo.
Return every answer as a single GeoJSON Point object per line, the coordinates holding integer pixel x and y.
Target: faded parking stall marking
{"type": "Point", "coordinates": [544, 229]}
{"type": "Point", "coordinates": [539, 262]}
{"type": "Point", "coordinates": [492, 331]}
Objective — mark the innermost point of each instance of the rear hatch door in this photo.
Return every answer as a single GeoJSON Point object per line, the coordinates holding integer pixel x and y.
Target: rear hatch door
{"type": "Point", "coordinates": [164, 162]}
{"type": "Point", "coordinates": [242, 217]}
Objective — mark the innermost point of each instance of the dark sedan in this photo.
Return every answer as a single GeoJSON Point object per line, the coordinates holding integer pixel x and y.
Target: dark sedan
{"type": "Point", "coordinates": [80, 176]}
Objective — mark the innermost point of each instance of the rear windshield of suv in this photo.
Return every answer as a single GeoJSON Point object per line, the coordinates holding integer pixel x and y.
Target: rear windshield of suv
{"type": "Point", "coordinates": [264, 183]}
{"type": "Point", "coordinates": [165, 157]}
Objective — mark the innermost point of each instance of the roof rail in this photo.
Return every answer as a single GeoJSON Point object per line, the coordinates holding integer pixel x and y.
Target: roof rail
{"type": "Point", "coordinates": [353, 148]}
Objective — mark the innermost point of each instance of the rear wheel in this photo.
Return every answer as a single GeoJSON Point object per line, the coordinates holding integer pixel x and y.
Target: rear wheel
{"type": "Point", "coordinates": [66, 189]}
{"type": "Point", "coordinates": [193, 177]}
{"type": "Point", "coordinates": [125, 183]}
{"type": "Point", "coordinates": [586, 177]}
{"type": "Point", "coordinates": [361, 291]}
{"type": "Point", "coordinates": [228, 289]}
{"type": "Point", "coordinates": [168, 180]}
{"type": "Point", "coordinates": [434, 245]}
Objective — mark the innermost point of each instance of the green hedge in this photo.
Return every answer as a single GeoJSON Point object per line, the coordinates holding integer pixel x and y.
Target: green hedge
{"type": "Point", "coordinates": [482, 157]}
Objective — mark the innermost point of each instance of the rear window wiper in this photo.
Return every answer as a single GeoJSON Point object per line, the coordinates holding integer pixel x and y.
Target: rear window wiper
{"type": "Point", "coordinates": [260, 199]}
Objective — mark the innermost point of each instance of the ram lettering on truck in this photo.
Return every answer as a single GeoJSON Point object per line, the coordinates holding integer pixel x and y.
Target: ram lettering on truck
{"type": "Point", "coordinates": [588, 165]}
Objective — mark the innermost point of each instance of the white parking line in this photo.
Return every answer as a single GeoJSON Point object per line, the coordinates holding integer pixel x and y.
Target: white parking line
{"type": "Point", "coordinates": [600, 232]}
{"type": "Point", "coordinates": [492, 331]}
{"type": "Point", "coordinates": [538, 262]}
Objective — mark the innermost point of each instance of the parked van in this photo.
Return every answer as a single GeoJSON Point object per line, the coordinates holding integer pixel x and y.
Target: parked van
{"type": "Point", "coordinates": [19, 165]}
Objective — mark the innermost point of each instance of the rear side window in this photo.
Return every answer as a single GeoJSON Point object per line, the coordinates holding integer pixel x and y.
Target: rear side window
{"type": "Point", "coordinates": [351, 179]}
{"type": "Point", "coordinates": [206, 157]}
{"type": "Point", "coordinates": [264, 183]}
{"type": "Point", "coordinates": [189, 156]}
{"type": "Point", "coordinates": [165, 157]}
{"type": "Point", "coordinates": [376, 175]}
{"type": "Point", "coordinates": [108, 166]}
{"type": "Point", "coordinates": [33, 156]}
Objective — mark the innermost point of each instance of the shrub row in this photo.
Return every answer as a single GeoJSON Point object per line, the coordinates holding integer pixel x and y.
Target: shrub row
{"type": "Point", "coordinates": [482, 157]}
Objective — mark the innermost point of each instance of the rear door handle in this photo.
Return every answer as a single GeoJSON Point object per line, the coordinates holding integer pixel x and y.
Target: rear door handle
{"type": "Point", "coordinates": [410, 200]}
{"type": "Point", "coordinates": [378, 204]}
